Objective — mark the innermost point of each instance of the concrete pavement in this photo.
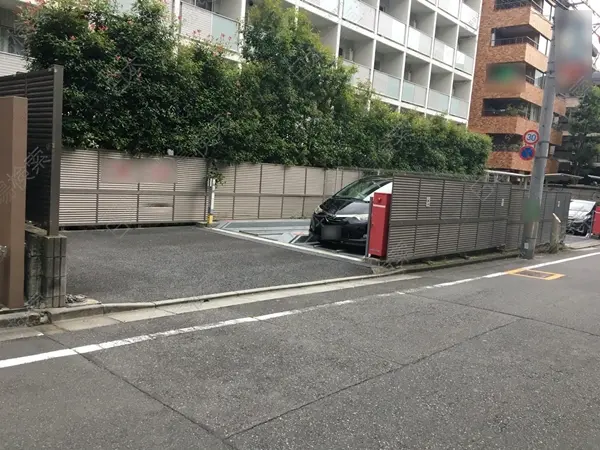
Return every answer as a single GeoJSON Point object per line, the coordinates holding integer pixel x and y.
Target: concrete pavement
{"type": "Point", "coordinates": [150, 264]}
{"type": "Point", "coordinates": [478, 357]}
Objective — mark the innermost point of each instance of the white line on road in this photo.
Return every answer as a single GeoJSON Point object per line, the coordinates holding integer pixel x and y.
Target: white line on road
{"type": "Point", "coordinates": [306, 249]}
{"type": "Point", "coordinates": [19, 361]}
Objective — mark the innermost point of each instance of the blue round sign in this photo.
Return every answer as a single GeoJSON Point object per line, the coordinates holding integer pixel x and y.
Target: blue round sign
{"type": "Point", "coordinates": [527, 152]}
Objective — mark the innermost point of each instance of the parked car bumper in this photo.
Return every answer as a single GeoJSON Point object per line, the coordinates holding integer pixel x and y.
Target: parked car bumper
{"type": "Point", "coordinates": [331, 229]}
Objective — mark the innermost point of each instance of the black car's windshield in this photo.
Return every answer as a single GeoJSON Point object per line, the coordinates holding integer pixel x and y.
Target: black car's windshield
{"type": "Point", "coordinates": [361, 189]}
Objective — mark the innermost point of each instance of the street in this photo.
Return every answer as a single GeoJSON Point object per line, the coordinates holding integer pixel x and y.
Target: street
{"type": "Point", "coordinates": [488, 356]}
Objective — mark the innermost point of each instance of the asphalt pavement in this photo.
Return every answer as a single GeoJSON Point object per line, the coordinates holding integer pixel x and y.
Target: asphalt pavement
{"type": "Point", "coordinates": [151, 264]}
{"type": "Point", "coordinates": [481, 357]}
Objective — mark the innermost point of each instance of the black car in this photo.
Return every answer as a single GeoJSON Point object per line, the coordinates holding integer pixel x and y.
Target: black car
{"type": "Point", "coordinates": [344, 217]}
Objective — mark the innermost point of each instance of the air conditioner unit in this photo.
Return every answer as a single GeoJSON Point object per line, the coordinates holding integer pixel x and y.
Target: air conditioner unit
{"type": "Point", "coordinates": [413, 23]}
{"type": "Point", "coordinates": [351, 54]}
{"type": "Point", "coordinates": [408, 75]}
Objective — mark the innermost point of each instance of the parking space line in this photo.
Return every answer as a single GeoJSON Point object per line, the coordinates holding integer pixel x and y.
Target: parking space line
{"type": "Point", "coordinates": [290, 246]}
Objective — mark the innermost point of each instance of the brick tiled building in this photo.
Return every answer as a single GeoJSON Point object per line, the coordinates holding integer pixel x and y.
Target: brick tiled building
{"type": "Point", "coordinates": [514, 41]}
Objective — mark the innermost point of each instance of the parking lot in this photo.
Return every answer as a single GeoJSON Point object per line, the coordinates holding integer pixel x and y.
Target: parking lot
{"type": "Point", "coordinates": [151, 264]}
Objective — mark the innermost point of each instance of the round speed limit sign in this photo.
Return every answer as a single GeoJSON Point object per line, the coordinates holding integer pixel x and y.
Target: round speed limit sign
{"type": "Point", "coordinates": [531, 137]}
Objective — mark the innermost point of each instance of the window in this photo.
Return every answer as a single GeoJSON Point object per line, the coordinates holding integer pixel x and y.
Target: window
{"type": "Point", "coordinates": [10, 42]}
{"type": "Point", "coordinates": [544, 45]}
{"type": "Point", "coordinates": [548, 10]}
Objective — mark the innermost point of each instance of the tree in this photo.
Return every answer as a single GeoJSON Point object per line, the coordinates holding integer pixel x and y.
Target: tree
{"type": "Point", "coordinates": [133, 84]}
{"type": "Point", "coordinates": [130, 83]}
{"type": "Point", "coordinates": [584, 127]}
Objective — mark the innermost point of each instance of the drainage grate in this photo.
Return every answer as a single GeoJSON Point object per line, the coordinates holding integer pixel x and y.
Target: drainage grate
{"type": "Point", "coordinates": [534, 274]}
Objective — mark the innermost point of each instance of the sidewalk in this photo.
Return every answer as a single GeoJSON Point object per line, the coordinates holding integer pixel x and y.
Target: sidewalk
{"type": "Point", "coordinates": [580, 242]}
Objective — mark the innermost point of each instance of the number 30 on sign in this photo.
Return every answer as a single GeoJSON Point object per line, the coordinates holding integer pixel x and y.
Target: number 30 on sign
{"type": "Point", "coordinates": [531, 137]}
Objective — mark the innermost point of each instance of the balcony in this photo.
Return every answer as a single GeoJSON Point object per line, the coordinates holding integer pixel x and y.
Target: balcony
{"type": "Point", "coordinates": [527, 90]}
{"type": "Point", "coordinates": [199, 23]}
{"type": "Point", "coordinates": [495, 123]}
{"type": "Point", "coordinates": [391, 28]}
{"type": "Point", "coordinates": [386, 85]}
{"type": "Point", "coordinates": [362, 74]}
{"type": "Point", "coordinates": [331, 6]}
{"type": "Point", "coordinates": [413, 93]}
{"type": "Point", "coordinates": [464, 63]}
{"type": "Point", "coordinates": [518, 49]}
{"type": "Point", "coordinates": [459, 108]}
{"type": "Point", "coordinates": [469, 16]}
{"type": "Point", "coordinates": [443, 52]}
{"type": "Point", "coordinates": [360, 14]}
{"type": "Point", "coordinates": [452, 7]}
{"type": "Point", "coordinates": [419, 41]}
{"type": "Point", "coordinates": [438, 101]}
{"type": "Point", "coordinates": [519, 13]}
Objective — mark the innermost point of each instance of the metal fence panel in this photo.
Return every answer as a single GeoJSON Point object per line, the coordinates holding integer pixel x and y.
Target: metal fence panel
{"type": "Point", "coordinates": [44, 93]}
{"type": "Point", "coordinates": [435, 216]}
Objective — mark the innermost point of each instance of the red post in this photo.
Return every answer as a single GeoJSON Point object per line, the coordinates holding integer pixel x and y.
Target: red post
{"type": "Point", "coordinates": [379, 227]}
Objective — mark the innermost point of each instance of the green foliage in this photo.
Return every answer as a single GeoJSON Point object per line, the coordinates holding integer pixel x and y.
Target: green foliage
{"type": "Point", "coordinates": [584, 127]}
{"type": "Point", "coordinates": [133, 84]}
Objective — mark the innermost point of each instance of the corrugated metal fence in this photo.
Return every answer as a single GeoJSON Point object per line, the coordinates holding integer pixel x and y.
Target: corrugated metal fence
{"type": "Point", "coordinates": [435, 217]}
{"type": "Point", "coordinates": [250, 191]}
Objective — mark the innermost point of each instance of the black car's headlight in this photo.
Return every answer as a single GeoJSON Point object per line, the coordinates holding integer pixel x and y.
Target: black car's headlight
{"type": "Point", "coordinates": [355, 217]}
{"type": "Point", "coordinates": [318, 210]}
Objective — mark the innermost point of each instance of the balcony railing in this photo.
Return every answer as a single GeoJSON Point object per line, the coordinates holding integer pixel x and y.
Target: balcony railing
{"type": "Point", "coordinates": [468, 15]}
{"type": "Point", "coordinates": [450, 6]}
{"type": "Point", "coordinates": [438, 101]}
{"type": "Point", "coordinates": [464, 62]}
{"type": "Point", "coordinates": [331, 6]}
{"type": "Point", "coordinates": [512, 112]}
{"type": "Point", "coordinates": [199, 23]}
{"type": "Point", "coordinates": [538, 82]}
{"type": "Point", "coordinates": [413, 93]}
{"type": "Point", "coordinates": [514, 41]}
{"type": "Point", "coordinates": [443, 52]}
{"type": "Point", "coordinates": [386, 85]}
{"type": "Point", "coordinates": [359, 13]}
{"type": "Point", "coordinates": [391, 28]}
{"type": "Point", "coordinates": [458, 107]}
{"type": "Point", "coordinates": [362, 75]}
{"type": "Point", "coordinates": [419, 41]}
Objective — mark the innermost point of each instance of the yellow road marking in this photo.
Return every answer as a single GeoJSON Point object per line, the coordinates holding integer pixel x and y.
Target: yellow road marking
{"type": "Point", "coordinates": [544, 276]}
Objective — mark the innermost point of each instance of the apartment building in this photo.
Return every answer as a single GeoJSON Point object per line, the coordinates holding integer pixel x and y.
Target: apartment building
{"type": "Point", "coordinates": [11, 47]}
{"type": "Point", "coordinates": [512, 58]}
{"type": "Point", "coordinates": [417, 54]}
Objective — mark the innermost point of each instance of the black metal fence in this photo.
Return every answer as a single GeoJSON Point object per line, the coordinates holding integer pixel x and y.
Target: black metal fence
{"type": "Point", "coordinates": [41, 171]}
{"type": "Point", "coordinates": [433, 217]}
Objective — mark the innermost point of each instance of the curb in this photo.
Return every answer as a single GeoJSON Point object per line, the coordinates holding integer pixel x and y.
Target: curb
{"type": "Point", "coordinates": [50, 315]}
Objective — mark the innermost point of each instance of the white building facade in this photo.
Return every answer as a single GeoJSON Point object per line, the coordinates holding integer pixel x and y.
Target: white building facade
{"type": "Point", "coordinates": [417, 54]}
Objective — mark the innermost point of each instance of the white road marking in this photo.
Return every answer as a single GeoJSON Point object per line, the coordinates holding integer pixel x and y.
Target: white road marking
{"type": "Point", "coordinates": [288, 245]}
{"type": "Point", "coordinates": [19, 361]}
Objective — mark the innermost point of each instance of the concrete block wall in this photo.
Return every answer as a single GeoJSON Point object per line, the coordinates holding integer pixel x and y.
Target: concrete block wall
{"type": "Point", "coordinates": [45, 269]}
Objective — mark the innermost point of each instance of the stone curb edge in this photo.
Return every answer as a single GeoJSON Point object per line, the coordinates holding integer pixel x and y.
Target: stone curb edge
{"type": "Point", "coordinates": [50, 315]}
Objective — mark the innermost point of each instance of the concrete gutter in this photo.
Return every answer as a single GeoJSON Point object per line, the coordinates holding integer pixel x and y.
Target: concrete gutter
{"type": "Point", "coordinates": [49, 315]}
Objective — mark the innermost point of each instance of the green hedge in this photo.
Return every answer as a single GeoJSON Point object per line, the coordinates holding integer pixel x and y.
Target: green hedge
{"type": "Point", "coordinates": [132, 84]}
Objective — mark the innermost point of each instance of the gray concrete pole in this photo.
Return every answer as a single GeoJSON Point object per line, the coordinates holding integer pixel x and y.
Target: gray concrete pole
{"type": "Point", "coordinates": [536, 188]}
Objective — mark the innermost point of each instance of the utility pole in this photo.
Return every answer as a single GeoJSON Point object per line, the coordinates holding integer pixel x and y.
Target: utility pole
{"type": "Point", "coordinates": [536, 188]}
